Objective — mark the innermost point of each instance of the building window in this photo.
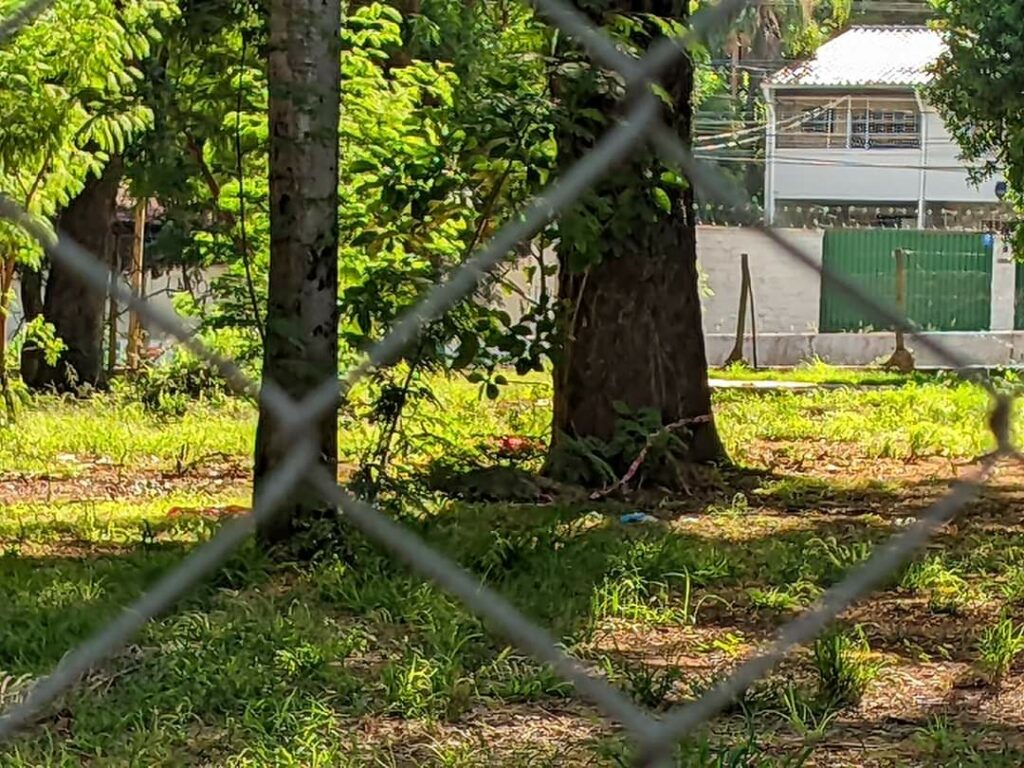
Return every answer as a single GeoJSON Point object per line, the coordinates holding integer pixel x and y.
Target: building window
{"type": "Point", "coordinates": [848, 123]}
{"type": "Point", "coordinates": [819, 120]}
{"type": "Point", "coordinates": [884, 127]}
{"type": "Point", "coordinates": [810, 123]}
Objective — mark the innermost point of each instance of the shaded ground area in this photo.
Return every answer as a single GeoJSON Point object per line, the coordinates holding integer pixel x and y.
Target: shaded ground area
{"type": "Point", "coordinates": [354, 661]}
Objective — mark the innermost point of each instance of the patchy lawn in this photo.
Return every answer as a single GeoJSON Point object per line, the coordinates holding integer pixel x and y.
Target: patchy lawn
{"type": "Point", "coordinates": [354, 661]}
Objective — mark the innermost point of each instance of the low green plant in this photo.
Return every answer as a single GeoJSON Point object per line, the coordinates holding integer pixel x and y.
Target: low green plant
{"type": "Point", "coordinates": [835, 558]}
{"type": "Point", "coordinates": [420, 687]}
{"type": "Point", "coordinates": [844, 666]}
{"type": "Point", "coordinates": [628, 595]}
{"type": "Point", "coordinates": [460, 755]}
{"type": "Point", "coordinates": [999, 646]}
{"type": "Point", "coordinates": [761, 695]}
{"type": "Point", "coordinates": [736, 508]}
{"type": "Point", "coordinates": [1012, 588]}
{"type": "Point", "coordinates": [745, 751]}
{"type": "Point", "coordinates": [947, 591]}
{"type": "Point", "coordinates": [784, 598]}
{"type": "Point", "coordinates": [650, 685]}
{"type": "Point", "coordinates": [589, 461]}
{"type": "Point", "coordinates": [172, 386]}
{"type": "Point", "coordinates": [511, 677]}
{"type": "Point", "coordinates": [949, 745]}
{"type": "Point", "coordinates": [808, 716]}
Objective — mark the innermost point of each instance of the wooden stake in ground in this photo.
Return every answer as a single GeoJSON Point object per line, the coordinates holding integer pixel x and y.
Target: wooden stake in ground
{"type": "Point", "coordinates": [753, 313]}
{"type": "Point", "coordinates": [138, 280]}
{"type": "Point", "coordinates": [736, 356]}
{"type": "Point", "coordinates": [901, 358]}
{"type": "Point", "coordinates": [746, 293]}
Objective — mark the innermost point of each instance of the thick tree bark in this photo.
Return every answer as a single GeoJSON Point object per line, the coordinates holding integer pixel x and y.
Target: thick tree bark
{"type": "Point", "coordinates": [76, 311]}
{"type": "Point", "coordinates": [631, 322]}
{"type": "Point", "coordinates": [32, 307]}
{"type": "Point", "coordinates": [31, 293]}
{"type": "Point", "coordinates": [636, 339]}
{"type": "Point", "coordinates": [301, 350]}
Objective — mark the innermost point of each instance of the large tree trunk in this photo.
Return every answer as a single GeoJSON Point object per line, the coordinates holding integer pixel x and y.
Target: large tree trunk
{"type": "Point", "coordinates": [631, 318]}
{"type": "Point", "coordinates": [76, 311]}
{"type": "Point", "coordinates": [32, 306]}
{"type": "Point", "coordinates": [31, 293]}
{"type": "Point", "coordinates": [301, 350]}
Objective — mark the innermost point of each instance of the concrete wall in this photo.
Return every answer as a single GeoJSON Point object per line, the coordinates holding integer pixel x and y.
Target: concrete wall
{"type": "Point", "coordinates": [787, 294]}
{"type": "Point", "coordinates": [857, 175]}
{"type": "Point", "coordinates": [1004, 286]}
{"type": "Point", "coordinates": [786, 299]}
{"type": "Point", "coordinates": [861, 349]}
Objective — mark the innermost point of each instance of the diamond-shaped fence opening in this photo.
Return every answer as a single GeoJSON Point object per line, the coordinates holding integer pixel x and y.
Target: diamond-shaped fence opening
{"type": "Point", "coordinates": [656, 739]}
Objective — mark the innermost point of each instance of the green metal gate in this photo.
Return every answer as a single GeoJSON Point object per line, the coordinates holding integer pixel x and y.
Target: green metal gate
{"type": "Point", "coordinates": [949, 278]}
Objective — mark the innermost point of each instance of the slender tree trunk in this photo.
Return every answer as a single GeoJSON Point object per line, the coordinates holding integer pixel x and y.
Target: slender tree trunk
{"type": "Point", "coordinates": [631, 319]}
{"type": "Point", "coordinates": [76, 311]}
{"type": "Point", "coordinates": [138, 275]}
{"type": "Point", "coordinates": [112, 309]}
{"type": "Point", "coordinates": [301, 350]}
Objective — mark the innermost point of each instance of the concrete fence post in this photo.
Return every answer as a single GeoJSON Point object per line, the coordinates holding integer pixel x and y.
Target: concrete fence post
{"type": "Point", "coordinates": [1004, 289]}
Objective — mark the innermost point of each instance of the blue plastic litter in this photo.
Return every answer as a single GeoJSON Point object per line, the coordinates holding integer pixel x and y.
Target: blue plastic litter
{"type": "Point", "coordinates": [637, 517]}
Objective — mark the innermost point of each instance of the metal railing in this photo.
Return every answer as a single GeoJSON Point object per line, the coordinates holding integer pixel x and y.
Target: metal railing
{"type": "Point", "coordinates": [655, 738]}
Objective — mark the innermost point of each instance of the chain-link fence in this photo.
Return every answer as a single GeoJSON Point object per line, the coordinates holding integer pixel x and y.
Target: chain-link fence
{"type": "Point", "coordinates": [655, 738]}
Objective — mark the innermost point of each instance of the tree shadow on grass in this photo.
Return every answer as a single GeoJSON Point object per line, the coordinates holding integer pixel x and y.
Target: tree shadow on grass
{"type": "Point", "coordinates": [269, 660]}
{"type": "Point", "coordinates": [53, 602]}
{"type": "Point", "coordinates": [569, 566]}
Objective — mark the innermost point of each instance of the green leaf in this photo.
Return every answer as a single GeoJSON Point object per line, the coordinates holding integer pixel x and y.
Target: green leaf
{"type": "Point", "coordinates": [673, 179]}
{"type": "Point", "coordinates": [362, 166]}
{"type": "Point", "coordinates": [661, 199]}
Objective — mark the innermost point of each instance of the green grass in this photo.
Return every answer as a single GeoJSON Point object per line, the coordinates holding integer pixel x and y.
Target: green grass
{"type": "Point", "coordinates": [64, 437]}
{"type": "Point", "coordinates": [353, 660]}
{"type": "Point", "coordinates": [927, 415]}
{"type": "Point", "coordinates": [818, 372]}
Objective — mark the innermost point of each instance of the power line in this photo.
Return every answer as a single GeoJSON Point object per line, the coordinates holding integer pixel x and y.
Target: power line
{"type": "Point", "coordinates": [838, 163]}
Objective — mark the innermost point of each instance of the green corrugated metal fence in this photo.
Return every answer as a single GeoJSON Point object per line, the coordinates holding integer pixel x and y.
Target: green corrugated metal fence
{"type": "Point", "coordinates": [949, 278]}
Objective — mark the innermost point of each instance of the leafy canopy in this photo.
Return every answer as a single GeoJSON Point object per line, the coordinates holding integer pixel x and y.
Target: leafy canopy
{"type": "Point", "coordinates": [979, 86]}
{"type": "Point", "coordinates": [68, 101]}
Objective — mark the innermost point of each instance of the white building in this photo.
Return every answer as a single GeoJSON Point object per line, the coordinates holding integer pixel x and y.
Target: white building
{"type": "Point", "coordinates": [851, 139]}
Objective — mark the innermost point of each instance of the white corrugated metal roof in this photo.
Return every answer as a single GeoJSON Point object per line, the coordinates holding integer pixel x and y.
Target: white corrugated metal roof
{"type": "Point", "coordinates": [885, 55]}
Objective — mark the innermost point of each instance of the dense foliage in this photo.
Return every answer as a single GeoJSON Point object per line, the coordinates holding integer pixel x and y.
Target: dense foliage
{"type": "Point", "coordinates": [435, 150]}
{"type": "Point", "coordinates": [69, 104]}
{"type": "Point", "coordinates": [448, 125]}
{"type": "Point", "coordinates": [979, 86]}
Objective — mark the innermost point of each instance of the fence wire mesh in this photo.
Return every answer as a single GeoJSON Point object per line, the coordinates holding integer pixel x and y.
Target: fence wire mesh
{"type": "Point", "coordinates": [655, 738]}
